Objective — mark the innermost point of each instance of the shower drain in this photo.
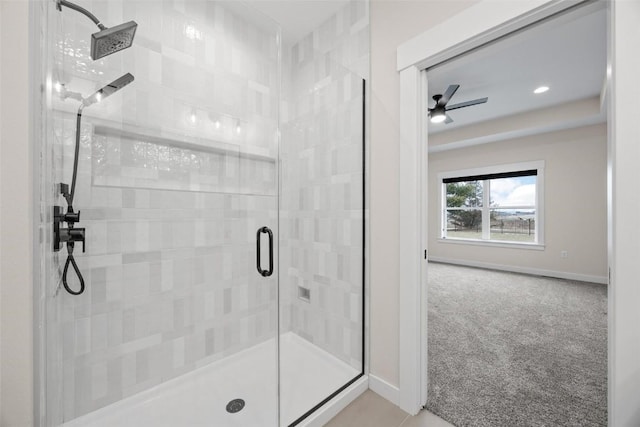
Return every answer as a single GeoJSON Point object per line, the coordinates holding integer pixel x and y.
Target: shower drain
{"type": "Point", "coordinates": [236, 405]}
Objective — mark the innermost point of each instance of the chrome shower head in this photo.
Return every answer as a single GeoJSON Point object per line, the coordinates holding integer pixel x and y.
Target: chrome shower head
{"type": "Point", "coordinates": [107, 40]}
{"type": "Point", "coordinates": [108, 90]}
{"type": "Point", "coordinates": [112, 40]}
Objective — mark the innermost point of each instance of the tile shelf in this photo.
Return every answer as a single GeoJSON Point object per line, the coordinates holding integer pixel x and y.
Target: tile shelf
{"type": "Point", "coordinates": [186, 142]}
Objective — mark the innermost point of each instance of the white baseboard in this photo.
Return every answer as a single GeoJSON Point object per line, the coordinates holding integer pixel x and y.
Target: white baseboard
{"type": "Point", "coordinates": [384, 389]}
{"type": "Point", "coordinates": [526, 270]}
{"type": "Point", "coordinates": [337, 404]}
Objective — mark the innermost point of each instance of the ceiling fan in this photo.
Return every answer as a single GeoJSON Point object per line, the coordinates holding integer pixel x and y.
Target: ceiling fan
{"type": "Point", "coordinates": [438, 113]}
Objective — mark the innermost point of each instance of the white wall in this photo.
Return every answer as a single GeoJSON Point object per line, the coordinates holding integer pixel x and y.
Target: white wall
{"type": "Point", "coordinates": [575, 202]}
{"type": "Point", "coordinates": [392, 23]}
{"type": "Point", "coordinates": [16, 330]}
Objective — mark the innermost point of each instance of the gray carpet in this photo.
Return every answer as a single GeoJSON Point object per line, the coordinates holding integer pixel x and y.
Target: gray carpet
{"type": "Point", "coordinates": [508, 349]}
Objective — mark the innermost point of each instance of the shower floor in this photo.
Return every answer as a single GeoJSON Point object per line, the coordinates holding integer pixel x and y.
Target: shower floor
{"type": "Point", "coordinates": [309, 374]}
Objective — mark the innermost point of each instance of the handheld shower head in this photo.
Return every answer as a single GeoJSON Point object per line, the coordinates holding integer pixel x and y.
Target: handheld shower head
{"type": "Point", "coordinates": [107, 40]}
{"type": "Point", "coordinates": [108, 90]}
{"type": "Point", "coordinates": [78, 234]}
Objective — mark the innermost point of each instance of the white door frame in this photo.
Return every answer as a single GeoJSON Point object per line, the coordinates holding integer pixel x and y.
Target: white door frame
{"type": "Point", "coordinates": [480, 24]}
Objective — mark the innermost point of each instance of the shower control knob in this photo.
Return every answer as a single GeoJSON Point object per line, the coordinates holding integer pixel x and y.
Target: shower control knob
{"type": "Point", "coordinates": [72, 235]}
{"type": "Point", "coordinates": [77, 235]}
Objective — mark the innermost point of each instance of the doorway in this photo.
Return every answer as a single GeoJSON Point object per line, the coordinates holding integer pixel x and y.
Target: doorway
{"type": "Point", "coordinates": [487, 209]}
{"type": "Point", "coordinates": [413, 57]}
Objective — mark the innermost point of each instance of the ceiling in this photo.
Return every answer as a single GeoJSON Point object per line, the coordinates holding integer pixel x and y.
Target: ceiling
{"type": "Point", "coordinates": [567, 54]}
{"type": "Point", "coordinates": [298, 18]}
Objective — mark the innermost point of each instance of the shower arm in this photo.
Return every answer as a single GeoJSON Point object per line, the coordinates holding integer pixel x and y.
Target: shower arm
{"type": "Point", "coordinates": [85, 12]}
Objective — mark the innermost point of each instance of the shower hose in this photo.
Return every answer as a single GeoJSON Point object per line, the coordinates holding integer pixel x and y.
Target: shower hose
{"type": "Point", "coordinates": [69, 197]}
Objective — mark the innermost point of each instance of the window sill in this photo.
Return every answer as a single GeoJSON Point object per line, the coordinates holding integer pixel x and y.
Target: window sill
{"type": "Point", "coordinates": [493, 243]}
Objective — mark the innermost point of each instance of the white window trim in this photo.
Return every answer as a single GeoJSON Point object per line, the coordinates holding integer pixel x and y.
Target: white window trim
{"type": "Point", "coordinates": [486, 170]}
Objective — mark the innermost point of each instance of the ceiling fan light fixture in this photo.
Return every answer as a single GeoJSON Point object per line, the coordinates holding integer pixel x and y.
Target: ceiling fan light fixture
{"type": "Point", "coordinates": [438, 118]}
{"type": "Point", "coordinates": [541, 89]}
{"type": "Point", "coordinates": [438, 115]}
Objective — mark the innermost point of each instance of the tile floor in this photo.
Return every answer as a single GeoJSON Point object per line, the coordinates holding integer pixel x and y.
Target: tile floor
{"type": "Point", "coordinates": [371, 410]}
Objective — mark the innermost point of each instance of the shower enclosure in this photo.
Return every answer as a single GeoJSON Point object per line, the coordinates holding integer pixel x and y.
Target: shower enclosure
{"type": "Point", "coordinates": [222, 193]}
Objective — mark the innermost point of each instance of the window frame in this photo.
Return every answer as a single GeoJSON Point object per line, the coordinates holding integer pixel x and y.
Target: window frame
{"type": "Point", "coordinates": [537, 244]}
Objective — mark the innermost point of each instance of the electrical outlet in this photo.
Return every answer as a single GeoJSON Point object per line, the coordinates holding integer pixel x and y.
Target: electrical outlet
{"type": "Point", "coordinates": [564, 254]}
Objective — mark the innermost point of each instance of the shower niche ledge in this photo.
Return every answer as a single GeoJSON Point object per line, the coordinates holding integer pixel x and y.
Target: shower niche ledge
{"type": "Point", "coordinates": [125, 156]}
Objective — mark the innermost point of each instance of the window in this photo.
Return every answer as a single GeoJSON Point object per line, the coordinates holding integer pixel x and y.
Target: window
{"type": "Point", "coordinates": [493, 205]}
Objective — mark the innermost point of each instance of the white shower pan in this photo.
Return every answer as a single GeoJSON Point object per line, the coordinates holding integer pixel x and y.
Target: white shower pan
{"type": "Point", "coordinates": [309, 375]}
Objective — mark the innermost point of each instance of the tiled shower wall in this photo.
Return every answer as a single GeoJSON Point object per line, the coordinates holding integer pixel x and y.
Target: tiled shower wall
{"type": "Point", "coordinates": [322, 210]}
{"type": "Point", "coordinates": [177, 172]}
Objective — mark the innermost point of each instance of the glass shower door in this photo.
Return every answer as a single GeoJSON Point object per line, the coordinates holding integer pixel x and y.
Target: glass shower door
{"type": "Point", "coordinates": [322, 216]}
{"type": "Point", "coordinates": [177, 174]}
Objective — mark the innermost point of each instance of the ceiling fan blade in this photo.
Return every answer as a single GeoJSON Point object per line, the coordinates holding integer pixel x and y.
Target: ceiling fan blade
{"type": "Point", "coordinates": [467, 104]}
{"type": "Point", "coordinates": [446, 96]}
{"type": "Point", "coordinates": [448, 120]}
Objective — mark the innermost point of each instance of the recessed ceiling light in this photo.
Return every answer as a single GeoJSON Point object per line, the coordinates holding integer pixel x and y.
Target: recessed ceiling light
{"type": "Point", "coordinates": [541, 89]}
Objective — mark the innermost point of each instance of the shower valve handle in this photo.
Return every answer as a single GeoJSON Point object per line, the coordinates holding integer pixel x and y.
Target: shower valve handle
{"type": "Point", "coordinates": [73, 235]}
{"type": "Point", "coordinates": [77, 235]}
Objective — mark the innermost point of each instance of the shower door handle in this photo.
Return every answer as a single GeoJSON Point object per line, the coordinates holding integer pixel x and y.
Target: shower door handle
{"type": "Point", "coordinates": [269, 272]}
